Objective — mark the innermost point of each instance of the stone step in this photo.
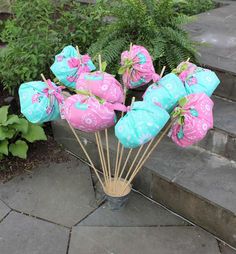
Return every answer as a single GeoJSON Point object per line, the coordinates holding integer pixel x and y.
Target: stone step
{"type": "Point", "coordinates": [216, 29]}
{"type": "Point", "coordinates": [192, 182]}
{"type": "Point", "coordinates": [227, 87]}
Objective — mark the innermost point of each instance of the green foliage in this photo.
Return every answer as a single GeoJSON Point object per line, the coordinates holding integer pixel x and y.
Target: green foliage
{"type": "Point", "coordinates": [40, 29]}
{"type": "Point", "coordinates": [154, 24]}
{"type": "Point", "coordinates": [15, 132]}
{"type": "Point", "coordinates": [193, 7]}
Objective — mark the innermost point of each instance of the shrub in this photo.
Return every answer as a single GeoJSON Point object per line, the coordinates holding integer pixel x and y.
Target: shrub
{"type": "Point", "coordinates": [15, 132]}
{"type": "Point", "coordinates": [37, 31]}
{"type": "Point", "coordinates": [193, 7]}
{"type": "Point", "coordinates": [154, 24]}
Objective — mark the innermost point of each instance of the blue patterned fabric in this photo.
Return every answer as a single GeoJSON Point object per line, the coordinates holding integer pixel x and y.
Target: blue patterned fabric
{"type": "Point", "coordinates": [142, 123]}
{"type": "Point", "coordinates": [67, 70]}
{"type": "Point", "coordinates": [202, 81]}
{"type": "Point", "coordinates": [35, 105]}
{"type": "Point", "coordinates": [166, 92]}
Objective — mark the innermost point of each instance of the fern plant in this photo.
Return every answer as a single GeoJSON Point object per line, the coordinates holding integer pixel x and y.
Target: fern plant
{"type": "Point", "coordinates": [154, 24]}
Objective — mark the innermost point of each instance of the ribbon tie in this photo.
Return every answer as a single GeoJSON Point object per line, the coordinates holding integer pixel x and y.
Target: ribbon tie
{"type": "Point", "coordinates": [53, 90]}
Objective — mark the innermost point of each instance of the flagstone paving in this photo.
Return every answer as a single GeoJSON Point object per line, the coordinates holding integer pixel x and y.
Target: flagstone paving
{"type": "Point", "coordinates": [61, 193]}
{"type": "Point", "coordinates": [55, 210]}
{"type": "Point", "coordinates": [4, 210]}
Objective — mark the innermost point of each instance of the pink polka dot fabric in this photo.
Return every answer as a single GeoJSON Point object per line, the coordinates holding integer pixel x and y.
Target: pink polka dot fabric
{"type": "Point", "coordinates": [101, 84]}
{"type": "Point", "coordinates": [198, 119]}
{"type": "Point", "coordinates": [138, 67]}
{"type": "Point", "coordinates": [87, 114]}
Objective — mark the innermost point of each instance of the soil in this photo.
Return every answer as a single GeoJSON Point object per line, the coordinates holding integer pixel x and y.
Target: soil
{"type": "Point", "coordinates": [38, 153]}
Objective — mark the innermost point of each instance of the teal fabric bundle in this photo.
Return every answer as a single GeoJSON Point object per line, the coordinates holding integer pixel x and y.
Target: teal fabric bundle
{"type": "Point", "coordinates": [68, 65]}
{"type": "Point", "coordinates": [166, 92]}
{"type": "Point", "coordinates": [201, 81]}
{"type": "Point", "coordinates": [38, 103]}
{"type": "Point", "coordinates": [142, 123]}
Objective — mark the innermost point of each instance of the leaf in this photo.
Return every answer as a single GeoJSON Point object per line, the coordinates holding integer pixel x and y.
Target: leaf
{"type": "Point", "coordinates": [22, 126]}
{"type": "Point", "coordinates": [183, 101]}
{"type": "Point", "coordinates": [181, 120]}
{"type": "Point", "coordinates": [104, 66]}
{"type": "Point", "coordinates": [3, 114]}
{"type": "Point", "coordinates": [35, 132]}
{"type": "Point", "coordinates": [122, 70]}
{"type": "Point", "coordinates": [6, 133]}
{"type": "Point", "coordinates": [11, 120]}
{"type": "Point", "coordinates": [4, 147]}
{"type": "Point", "coordinates": [19, 149]}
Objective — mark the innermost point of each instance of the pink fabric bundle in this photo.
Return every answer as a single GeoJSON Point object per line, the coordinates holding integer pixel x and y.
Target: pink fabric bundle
{"type": "Point", "coordinates": [101, 84]}
{"type": "Point", "coordinates": [195, 118]}
{"type": "Point", "coordinates": [88, 114]}
{"type": "Point", "coordinates": [184, 70]}
{"type": "Point", "coordinates": [137, 67]}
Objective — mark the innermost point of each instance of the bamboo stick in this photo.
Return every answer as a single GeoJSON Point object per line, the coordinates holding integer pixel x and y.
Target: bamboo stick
{"type": "Point", "coordinates": [117, 178]}
{"type": "Point", "coordinates": [102, 151]}
{"type": "Point", "coordinates": [124, 166]}
{"type": "Point", "coordinates": [130, 168]}
{"type": "Point", "coordinates": [108, 154]}
{"type": "Point", "coordinates": [87, 155]}
{"type": "Point", "coordinates": [101, 158]}
{"type": "Point", "coordinates": [77, 49]}
{"type": "Point", "coordinates": [137, 169]}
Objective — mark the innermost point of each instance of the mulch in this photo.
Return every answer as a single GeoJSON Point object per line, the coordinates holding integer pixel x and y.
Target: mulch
{"type": "Point", "coordinates": [39, 152]}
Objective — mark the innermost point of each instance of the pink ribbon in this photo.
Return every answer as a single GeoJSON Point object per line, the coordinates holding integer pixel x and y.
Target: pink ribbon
{"type": "Point", "coordinates": [80, 63]}
{"type": "Point", "coordinates": [54, 90]}
{"type": "Point", "coordinates": [74, 62]}
{"type": "Point", "coordinates": [117, 106]}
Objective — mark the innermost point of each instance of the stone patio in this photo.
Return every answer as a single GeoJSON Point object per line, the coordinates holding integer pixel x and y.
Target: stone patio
{"type": "Point", "coordinates": [54, 210]}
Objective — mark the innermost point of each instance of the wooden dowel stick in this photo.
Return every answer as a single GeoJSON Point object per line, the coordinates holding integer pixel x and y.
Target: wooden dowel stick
{"type": "Point", "coordinates": [101, 158]}
{"type": "Point", "coordinates": [119, 163]}
{"type": "Point", "coordinates": [122, 151]}
{"type": "Point", "coordinates": [100, 62]}
{"type": "Point", "coordinates": [77, 49]}
{"type": "Point", "coordinates": [108, 155]}
{"type": "Point", "coordinates": [144, 154]}
{"type": "Point", "coordinates": [150, 152]}
{"type": "Point", "coordinates": [130, 168]}
{"type": "Point", "coordinates": [162, 71]}
{"type": "Point", "coordinates": [118, 144]}
{"type": "Point", "coordinates": [44, 79]}
{"type": "Point", "coordinates": [188, 59]}
{"type": "Point", "coordinates": [130, 47]}
{"type": "Point", "coordinates": [86, 154]}
{"type": "Point", "coordinates": [124, 166]}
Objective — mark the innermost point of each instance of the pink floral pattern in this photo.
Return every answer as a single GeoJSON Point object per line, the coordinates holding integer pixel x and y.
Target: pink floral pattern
{"type": "Point", "coordinates": [198, 119]}
{"type": "Point", "coordinates": [102, 85]}
{"type": "Point", "coordinates": [140, 69]}
{"type": "Point", "coordinates": [87, 114]}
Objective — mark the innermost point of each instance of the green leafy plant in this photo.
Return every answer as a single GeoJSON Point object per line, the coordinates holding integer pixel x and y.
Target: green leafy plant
{"type": "Point", "coordinates": [154, 24]}
{"type": "Point", "coordinates": [38, 30]}
{"type": "Point", "coordinates": [193, 7]}
{"type": "Point", "coordinates": [15, 132]}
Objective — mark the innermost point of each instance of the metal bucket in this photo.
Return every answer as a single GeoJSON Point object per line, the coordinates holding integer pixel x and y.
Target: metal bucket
{"type": "Point", "coordinates": [115, 199]}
